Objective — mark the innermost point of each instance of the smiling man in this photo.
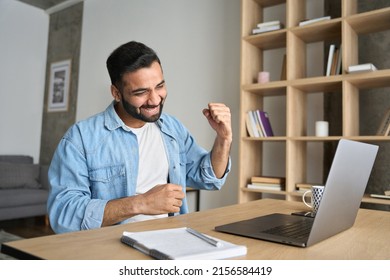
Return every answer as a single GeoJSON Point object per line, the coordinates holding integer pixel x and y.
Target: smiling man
{"type": "Point", "coordinates": [132, 162]}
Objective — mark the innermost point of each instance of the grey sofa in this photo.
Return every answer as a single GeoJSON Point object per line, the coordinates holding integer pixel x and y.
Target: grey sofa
{"type": "Point", "coordinates": [24, 187]}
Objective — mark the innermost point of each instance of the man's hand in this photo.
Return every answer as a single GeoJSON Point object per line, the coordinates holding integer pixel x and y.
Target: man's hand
{"type": "Point", "coordinates": [219, 118]}
{"type": "Point", "coordinates": [162, 199]}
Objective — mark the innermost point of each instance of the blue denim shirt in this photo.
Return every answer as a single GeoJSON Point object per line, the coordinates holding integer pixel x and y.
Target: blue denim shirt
{"type": "Point", "coordinates": [97, 161]}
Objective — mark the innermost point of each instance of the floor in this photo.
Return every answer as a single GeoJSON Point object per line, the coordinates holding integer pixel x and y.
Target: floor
{"type": "Point", "coordinates": [28, 227]}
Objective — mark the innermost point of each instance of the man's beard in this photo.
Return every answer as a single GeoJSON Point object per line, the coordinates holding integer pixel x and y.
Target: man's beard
{"type": "Point", "coordinates": [136, 112]}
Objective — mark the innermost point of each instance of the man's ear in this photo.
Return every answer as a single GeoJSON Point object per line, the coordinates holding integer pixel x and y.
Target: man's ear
{"type": "Point", "coordinates": [115, 93]}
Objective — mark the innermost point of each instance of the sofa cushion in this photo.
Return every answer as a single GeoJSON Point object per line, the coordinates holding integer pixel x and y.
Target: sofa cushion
{"type": "Point", "coordinates": [16, 159]}
{"type": "Point", "coordinates": [22, 197]}
{"type": "Point", "coordinates": [16, 175]}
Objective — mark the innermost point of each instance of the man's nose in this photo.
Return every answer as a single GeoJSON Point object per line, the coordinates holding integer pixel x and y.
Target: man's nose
{"type": "Point", "coordinates": [154, 98]}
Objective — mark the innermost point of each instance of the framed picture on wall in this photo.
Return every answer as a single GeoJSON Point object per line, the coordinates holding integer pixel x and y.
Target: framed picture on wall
{"type": "Point", "coordinates": [59, 86]}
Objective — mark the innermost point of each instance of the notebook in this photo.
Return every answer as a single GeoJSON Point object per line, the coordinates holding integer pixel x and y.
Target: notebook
{"type": "Point", "coordinates": [180, 244]}
{"type": "Point", "coordinates": [344, 189]}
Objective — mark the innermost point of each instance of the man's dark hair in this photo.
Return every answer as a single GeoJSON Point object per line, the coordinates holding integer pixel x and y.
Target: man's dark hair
{"type": "Point", "coordinates": [129, 57]}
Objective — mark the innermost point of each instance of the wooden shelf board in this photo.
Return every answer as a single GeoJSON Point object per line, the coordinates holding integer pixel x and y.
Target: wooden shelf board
{"type": "Point", "coordinates": [368, 199]}
{"type": "Point", "coordinates": [319, 84]}
{"type": "Point", "coordinates": [378, 19]}
{"type": "Point", "coordinates": [319, 31]}
{"type": "Point", "coordinates": [271, 88]}
{"type": "Point", "coordinates": [372, 138]}
{"type": "Point", "coordinates": [369, 138]}
{"type": "Point", "coordinates": [366, 80]}
{"type": "Point", "coordinates": [263, 191]}
{"type": "Point", "coordinates": [271, 139]}
{"type": "Point", "coordinates": [268, 40]}
{"type": "Point", "coordinates": [369, 80]}
{"type": "Point", "coordinates": [269, 3]}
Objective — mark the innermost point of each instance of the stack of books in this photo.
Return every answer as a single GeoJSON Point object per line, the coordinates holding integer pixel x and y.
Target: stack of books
{"type": "Point", "coordinates": [267, 183]}
{"type": "Point", "coordinates": [258, 124]}
{"type": "Point", "coordinates": [314, 20]}
{"type": "Point", "coordinates": [267, 26]}
{"type": "Point", "coordinates": [302, 187]}
{"type": "Point", "coordinates": [367, 67]}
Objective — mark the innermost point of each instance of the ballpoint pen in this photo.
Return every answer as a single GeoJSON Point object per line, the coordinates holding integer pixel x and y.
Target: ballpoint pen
{"type": "Point", "coordinates": [209, 240]}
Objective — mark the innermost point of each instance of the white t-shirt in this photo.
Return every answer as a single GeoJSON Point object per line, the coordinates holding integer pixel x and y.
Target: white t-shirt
{"type": "Point", "coordinates": [153, 163]}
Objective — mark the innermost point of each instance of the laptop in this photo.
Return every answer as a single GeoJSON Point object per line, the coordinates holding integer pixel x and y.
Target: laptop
{"type": "Point", "coordinates": [344, 189]}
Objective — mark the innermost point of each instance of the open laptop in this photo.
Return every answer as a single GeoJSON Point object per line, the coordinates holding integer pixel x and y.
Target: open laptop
{"type": "Point", "coordinates": [344, 189]}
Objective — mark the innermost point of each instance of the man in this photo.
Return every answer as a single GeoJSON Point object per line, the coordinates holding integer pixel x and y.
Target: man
{"type": "Point", "coordinates": [132, 162]}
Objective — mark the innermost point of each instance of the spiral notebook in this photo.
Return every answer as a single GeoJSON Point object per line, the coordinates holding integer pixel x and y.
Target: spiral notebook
{"type": "Point", "coordinates": [180, 244]}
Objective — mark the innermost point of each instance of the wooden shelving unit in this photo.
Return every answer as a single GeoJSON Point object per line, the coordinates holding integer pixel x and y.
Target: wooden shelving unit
{"type": "Point", "coordinates": [297, 86]}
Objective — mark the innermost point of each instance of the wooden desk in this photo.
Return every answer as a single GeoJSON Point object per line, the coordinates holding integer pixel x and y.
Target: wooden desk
{"type": "Point", "coordinates": [367, 239]}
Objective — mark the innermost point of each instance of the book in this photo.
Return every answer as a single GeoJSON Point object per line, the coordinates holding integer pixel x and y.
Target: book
{"type": "Point", "coordinates": [314, 20]}
{"type": "Point", "coordinates": [383, 196]}
{"type": "Point", "coordinates": [257, 124]}
{"type": "Point", "coordinates": [266, 124]}
{"type": "Point", "coordinates": [384, 127]}
{"type": "Point", "coordinates": [181, 244]}
{"type": "Point", "coordinates": [265, 187]}
{"type": "Point", "coordinates": [335, 58]}
{"type": "Point", "coordinates": [283, 72]}
{"type": "Point", "coordinates": [366, 67]}
{"type": "Point", "coordinates": [248, 125]}
{"type": "Point", "coordinates": [259, 30]}
{"type": "Point", "coordinates": [332, 48]}
{"type": "Point", "coordinates": [269, 23]}
{"type": "Point", "coordinates": [253, 124]}
{"type": "Point", "coordinates": [260, 123]}
{"type": "Point", "coordinates": [271, 180]}
{"type": "Point", "coordinates": [305, 186]}
{"type": "Point", "coordinates": [339, 60]}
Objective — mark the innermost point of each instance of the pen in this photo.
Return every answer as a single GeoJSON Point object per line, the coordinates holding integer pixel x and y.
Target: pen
{"type": "Point", "coordinates": [142, 248]}
{"type": "Point", "coordinates": [204, 237]}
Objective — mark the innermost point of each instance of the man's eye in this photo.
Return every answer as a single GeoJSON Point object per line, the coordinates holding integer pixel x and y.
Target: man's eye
{"type": "Point", "coordinates": [141, 92]}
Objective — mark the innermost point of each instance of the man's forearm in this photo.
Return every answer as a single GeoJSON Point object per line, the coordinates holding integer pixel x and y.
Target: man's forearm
{"type": "Point", "coordinates": [118, 210]}
{"type": "Point", "coordinates": [220, 156]}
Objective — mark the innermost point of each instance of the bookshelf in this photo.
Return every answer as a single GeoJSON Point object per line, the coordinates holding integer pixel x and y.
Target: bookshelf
{"type": "Point", "coordinates": [298, 85]}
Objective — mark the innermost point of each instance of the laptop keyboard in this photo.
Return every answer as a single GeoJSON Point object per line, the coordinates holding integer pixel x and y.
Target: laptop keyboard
{"type": "Point", "coordinates": [299, 230]}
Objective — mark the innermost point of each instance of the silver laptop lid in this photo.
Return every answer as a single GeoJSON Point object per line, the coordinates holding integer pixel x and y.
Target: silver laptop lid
{"type": "Point", "coordinates": [344, 189]}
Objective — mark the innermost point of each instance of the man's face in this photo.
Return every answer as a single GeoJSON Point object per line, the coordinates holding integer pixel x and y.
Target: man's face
{"type": "Point", "coordinates": [142, 96]}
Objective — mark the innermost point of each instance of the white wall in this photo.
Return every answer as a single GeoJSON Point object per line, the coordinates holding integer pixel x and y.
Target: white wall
{"type": "Point", "coordinates": [199, 45]}
{"type": "Point", "coordinates": [23, 47]}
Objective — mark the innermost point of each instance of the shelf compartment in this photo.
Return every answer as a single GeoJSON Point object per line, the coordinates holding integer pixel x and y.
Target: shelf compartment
{"type": "Point", "coordinates": [255, 10]}
{"type": "Point", "coordinates": [254, 101]}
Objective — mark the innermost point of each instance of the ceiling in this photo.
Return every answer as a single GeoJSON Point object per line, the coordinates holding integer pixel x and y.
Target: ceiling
{"type": "Point", "coordinates": [43, 4]}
